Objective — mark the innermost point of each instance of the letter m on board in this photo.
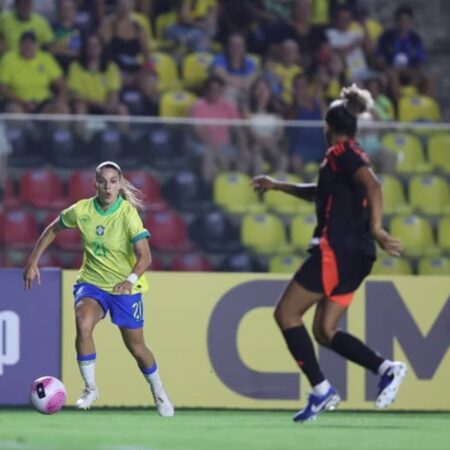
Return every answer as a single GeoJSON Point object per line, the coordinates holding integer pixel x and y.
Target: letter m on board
{"type": "Point", "coordinates": [389, 319]}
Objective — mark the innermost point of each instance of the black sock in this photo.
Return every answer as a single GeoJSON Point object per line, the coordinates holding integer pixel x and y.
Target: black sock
{"type": "Point", "coordinates": [353, 349]}
{"type": "Point", "coordinates": [301, 348]}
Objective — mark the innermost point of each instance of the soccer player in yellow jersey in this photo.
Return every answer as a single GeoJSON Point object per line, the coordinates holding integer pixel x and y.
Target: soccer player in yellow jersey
{"type": "Point", "coordinates": [111, 278]}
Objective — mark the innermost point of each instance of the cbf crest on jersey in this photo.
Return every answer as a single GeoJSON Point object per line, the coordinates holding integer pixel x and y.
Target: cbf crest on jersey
{"type": "Point", "coordinates": [99, 230]}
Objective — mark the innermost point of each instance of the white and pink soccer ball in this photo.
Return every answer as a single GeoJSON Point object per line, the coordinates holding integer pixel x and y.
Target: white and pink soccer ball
{"type": "Point", "coordinates": [47, 395]}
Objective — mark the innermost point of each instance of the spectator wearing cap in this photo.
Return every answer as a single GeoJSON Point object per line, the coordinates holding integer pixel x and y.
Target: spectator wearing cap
{"type": "Point", "coordinates": [28, 78]}
{"type": "Point", "coordinates": [14, 23]}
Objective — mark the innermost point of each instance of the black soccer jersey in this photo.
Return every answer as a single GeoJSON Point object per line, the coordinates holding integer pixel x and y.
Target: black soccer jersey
{"type": "Point", "coordinates": [343, 215]}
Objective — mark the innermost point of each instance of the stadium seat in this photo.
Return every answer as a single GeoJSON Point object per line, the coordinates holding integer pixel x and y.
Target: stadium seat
{"type": "Point", "coordinates": [191, 262]}
{"type": "Point", "coordinates": [168, 231]}
{"type": "Point", "coordinates": [2, 260]}
{"type": "Point", "coordinates": [2, 228]}
{"type": "Point", "coordinates": [67, 151]}
{"type": "Point", "coordinates": [67, 239]}
{"type": "Point", "coordinates": [264, 234]}
{"type": "Point", "coordinates": [232, 191]}
{"type": "Point", "coordinates": [196, 69]}
{"type": "Point", "coordinates": [11, 200]}
{"type": "Point", "coordinates": [163, 21]}
{"type": "Point", "coordinates": [416, 235]}
{"type": "Point", "coordinates": [429, 194]}
{"type": "Point", "coordinates": [439, 152]}
{"type": "Point", "coordinates": [394, 201]}
{"type": "Point", "coordinates": [214, 232]}
{"type": "Point", "coordinates": [21, 230]}
{"type": "Point", "coordinates": [281, 203]}
{"type": "Point", "coordinates": [166, 71]}
{"type": "Point", "coordinates": [156, 264]}
{"type": "Point", "coordinates": [388, 265]}
{"type": "Point", "coordinates": [240, 262]}
{"type": "Point", "coordinates": [443, 234]}
{"type": "Point", "coordinates": [73, 260]}
{"type": "Point", "coordinates": [285, 263]}
{"type": "Point", "coordinates": [176, 103]}
{"type": "Point", "coordinates": [113, 145]}
{"type": "Point", "coordinates": [301, 231]}
{"type": "Point", "coordinates": [24, 151]}
{"type": "Point", "coordinates": [434, 266]}
{"type": "Point", "coordinates": [418, 108]}
{"type": "Point", "coordinates": [186, 191]}
{"type": "Point", "coordinates": [163, 147]}
{"type": "Point", "coordinates": [81, 185]}
{"type": "Point", "coordinates": [150, 187]}
{"type": "Point", "coordinates": [42, 188]}
{"type": "Point", "coordinates": [409, 151]}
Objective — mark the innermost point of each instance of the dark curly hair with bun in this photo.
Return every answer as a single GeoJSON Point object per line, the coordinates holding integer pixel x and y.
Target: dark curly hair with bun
{"type": "Point", "coordinates": [342, 114]}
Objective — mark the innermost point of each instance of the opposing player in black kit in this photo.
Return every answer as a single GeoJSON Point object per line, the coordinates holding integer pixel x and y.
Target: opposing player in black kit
{"type": "Point", "coordinates": [349, 220]}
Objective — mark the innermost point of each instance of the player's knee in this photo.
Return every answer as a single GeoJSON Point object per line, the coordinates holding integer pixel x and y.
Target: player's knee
{"type": "Point", "coordinates": [318, 336]}
{"type": "Point", "coordinates": [327, 332]}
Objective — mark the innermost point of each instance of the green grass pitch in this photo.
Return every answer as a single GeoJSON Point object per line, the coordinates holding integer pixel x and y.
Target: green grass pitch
{"type": "Point", "coordinates": [23, 429]}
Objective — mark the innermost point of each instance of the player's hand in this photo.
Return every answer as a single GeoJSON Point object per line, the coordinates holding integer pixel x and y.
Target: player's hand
{"type": "Point", "coordinates": [263, 183]}
{"type": "Point", "coordinates": [31, 273]}
{"type": "Point", "coordinates": [389, 244]}
{"type": "Point", "coordinates": [123, 288]}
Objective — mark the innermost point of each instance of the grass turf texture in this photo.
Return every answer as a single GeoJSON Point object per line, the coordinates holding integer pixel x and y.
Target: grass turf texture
{"type": "Point", "coordinates": [221, 430]}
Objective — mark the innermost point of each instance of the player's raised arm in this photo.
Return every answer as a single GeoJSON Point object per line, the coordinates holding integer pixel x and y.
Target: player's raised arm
{"type": "Point", "coordinates": [31, 269]}
{"type": "Point", "coordinates": [305, 191]}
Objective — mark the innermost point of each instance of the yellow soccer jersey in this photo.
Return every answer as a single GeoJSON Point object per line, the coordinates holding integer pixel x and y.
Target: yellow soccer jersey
{"type": "Point", "coordinates": [108, 238]}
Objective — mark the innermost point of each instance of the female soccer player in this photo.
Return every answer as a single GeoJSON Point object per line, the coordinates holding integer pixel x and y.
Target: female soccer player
{"type": "Point", "coordinates": [349, 220]}
{"type": "Point", "coordinates": [111, 278]}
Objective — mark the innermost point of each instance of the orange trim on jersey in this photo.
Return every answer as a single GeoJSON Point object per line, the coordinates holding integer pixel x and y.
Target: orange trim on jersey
{"type": "Point", "coordinates": [330, 274]}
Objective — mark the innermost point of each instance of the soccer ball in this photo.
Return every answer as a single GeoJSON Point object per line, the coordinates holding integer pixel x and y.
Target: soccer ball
{"type": "Point", "coordinates": [47, 395]}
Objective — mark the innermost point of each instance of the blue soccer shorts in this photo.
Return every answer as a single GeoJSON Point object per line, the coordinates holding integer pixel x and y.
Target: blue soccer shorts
{"type": "Point", "coordinates": [126, 311]}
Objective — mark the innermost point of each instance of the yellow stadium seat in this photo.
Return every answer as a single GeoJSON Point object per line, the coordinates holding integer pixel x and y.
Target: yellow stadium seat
{"type": "Point", "coordinates": [429, 194]}
{"type": "Point", "coordinates": [285, 263]}
{"type": "Point", "coordinates": [388, 265]}
{"type": "Point", "coordinates": [232, 191]}
{"type": "Point", "coordinates": [409, 150]}
{"type": "Point", "coordinates": [418, 108]}
{"type": "Point", "coordinates": [164, 21]}
{"type": "Point", "coordinates": [264, 234]}
{"type": "Point", "coordinates": [176, 103]}
{"type": "Point", "coordinates": [393, 196]}
{"type": "Point", "coordinates": [281, 202]}
{"type": "Point", "coordinates": [416, 235]}
{"type": "Point", "coordinates": [443, 234]}
{"type": "Point", "coordinates": [434, 266]}
{"type": "Point", "coordinates": [166, 70]}
{"type": "Point", "coordinates": [439, 151]}
{"type": "Point", "coordinates": [196, 68]}
{"type": "Point", "coordinates": [301, 231]}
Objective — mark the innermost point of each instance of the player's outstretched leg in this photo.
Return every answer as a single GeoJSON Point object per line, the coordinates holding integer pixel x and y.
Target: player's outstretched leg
{"type": "Point", "coordinates": [390, 381]}
{"type": "Point", "coordinates": [317, 404]}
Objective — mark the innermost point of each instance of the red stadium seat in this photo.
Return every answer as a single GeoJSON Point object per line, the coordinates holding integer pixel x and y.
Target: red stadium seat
{"type": "Point", "coordinates": [74, 261]}
{"type": "Point", "coordinates": [42, 188]}
{"type": "Point", "coordinates": [2, 228]}
{"type": "Point", "coordinates": [168, 231]}
{"type": "Point", "coordinates": [11, 200]}
{"type": "Point", "coordinates": [191, 262]}
{"type": "Point", "coordinates": [21, 229]}
{"type": "Point", "coordinates": [81, 185]}
{"type": "Point", "coordinates": [156, 264]}
{"type": "Point", "coordinates": [68, 239]}
{"type": "Point", "coordinates": [151, 188]}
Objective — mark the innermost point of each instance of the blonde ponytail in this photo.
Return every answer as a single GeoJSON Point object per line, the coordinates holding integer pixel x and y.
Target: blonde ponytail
{"type": "Point", "coordinates": [132, 194]}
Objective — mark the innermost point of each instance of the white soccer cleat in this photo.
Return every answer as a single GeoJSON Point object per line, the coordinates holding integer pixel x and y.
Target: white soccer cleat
{"type": "Point", "coordinates": [87, 398]}
{"type": "Point", "coordinates": [163, 404]}
{"type": "Point", "coordinates": [390, 383]}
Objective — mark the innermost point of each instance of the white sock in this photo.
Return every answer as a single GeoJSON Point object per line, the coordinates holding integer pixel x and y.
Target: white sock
{"type": "Point", "coordinates": [153, 379]}
{"type": "Point", "coordinates": [87, 369]}
{"type": "Point", "coordinates": [321, 388]}
{"type": "Point", "coordinates": [384, 366]}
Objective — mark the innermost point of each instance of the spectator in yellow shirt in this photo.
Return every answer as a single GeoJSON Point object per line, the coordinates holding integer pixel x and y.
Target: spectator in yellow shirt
{"type": "Point", "coordinates": [94, 80]}
{"type": "Point", "coordinates": [28, 78]}
{"type": "Point", "coordinates": [14, 23]}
